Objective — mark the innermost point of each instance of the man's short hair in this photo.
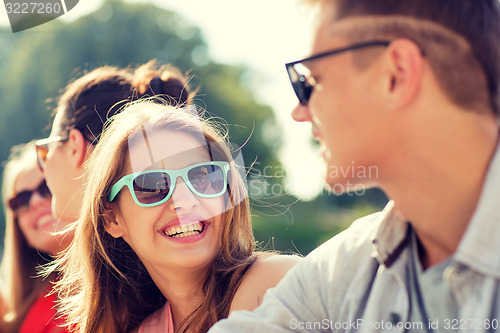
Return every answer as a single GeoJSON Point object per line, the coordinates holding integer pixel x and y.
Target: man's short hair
{"type": "Point", "coordinates": [459, 38]}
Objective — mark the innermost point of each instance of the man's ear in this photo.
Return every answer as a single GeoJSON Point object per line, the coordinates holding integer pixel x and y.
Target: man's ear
{"type": "Point", "coordinates": [78, 147]}
{"type": "Point", "coordinates": [112, 223]}
{"type": "Point", "coordinates": [405, 64]}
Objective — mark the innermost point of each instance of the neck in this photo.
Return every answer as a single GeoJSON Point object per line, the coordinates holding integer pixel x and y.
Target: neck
{"type": "Point", "coordinates": [183, 290]}
{"type": "Point", "coordinates": [439, 187]}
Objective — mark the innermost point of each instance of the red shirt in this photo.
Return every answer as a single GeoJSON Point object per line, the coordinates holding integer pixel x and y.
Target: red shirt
{"type": "Point", "coordinates": [42, 317]}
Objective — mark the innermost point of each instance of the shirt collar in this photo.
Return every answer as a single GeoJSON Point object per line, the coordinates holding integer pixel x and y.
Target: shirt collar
{"type": "Point", "coordinates": [479, 248]}
{"type": "Point", "coordinates": [392, 236]}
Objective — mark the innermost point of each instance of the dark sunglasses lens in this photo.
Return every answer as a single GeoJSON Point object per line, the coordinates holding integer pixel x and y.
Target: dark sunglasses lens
{"type": "Point", "coordinates": [303, 90]}
{"type": "Point", "coordinates": [44, 191]}
{"type": "Point", "coordinates": [21, 201]}
{"type": "Point", "coordinates": [301, 86]}
{"type": "Point", "coordinates": [207, 179]}
{"type": "Point", "coordinates": [41, 155]}
{"type": "Point", "coordinates": [152, 187]}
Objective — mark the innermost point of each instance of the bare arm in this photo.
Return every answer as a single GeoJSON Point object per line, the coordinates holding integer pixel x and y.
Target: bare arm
{"type": "Point", "coordinates": [264, 274]}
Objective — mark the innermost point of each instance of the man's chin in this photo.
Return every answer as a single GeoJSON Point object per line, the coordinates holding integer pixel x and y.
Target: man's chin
{"type": "Point", "coordinates": [63, 215]}
{"type": "Point", "coordinates": [325, 154]}
{"type": "Point", "coordinates": [352, 187]}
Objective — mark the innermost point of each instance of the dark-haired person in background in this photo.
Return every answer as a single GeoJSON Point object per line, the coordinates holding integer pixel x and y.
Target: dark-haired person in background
{"type": "Point", "coordinates": [411, 88]}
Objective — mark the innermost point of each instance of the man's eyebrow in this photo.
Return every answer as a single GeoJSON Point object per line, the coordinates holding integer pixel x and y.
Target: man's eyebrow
{"type": "Point", "coordinates": [311, 65]}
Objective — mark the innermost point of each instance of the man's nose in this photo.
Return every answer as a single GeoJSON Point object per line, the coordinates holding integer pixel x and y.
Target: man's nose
{"type": "Point", "coordinates": [301, 113]}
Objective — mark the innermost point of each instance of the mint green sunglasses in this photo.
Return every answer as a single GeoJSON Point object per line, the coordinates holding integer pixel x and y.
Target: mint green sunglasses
{"type": "Point", "coordinates": [151, 188]}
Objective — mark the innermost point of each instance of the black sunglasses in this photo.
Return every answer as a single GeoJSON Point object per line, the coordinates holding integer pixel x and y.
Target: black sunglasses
{"type": "Point", "coordinates": [303, 82]}
{"type": "Point", "coordinates": [21, 201]}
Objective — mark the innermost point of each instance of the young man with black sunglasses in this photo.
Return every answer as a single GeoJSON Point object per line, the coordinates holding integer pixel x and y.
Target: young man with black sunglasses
{"type": "Point", "coordinates": [411, 88]}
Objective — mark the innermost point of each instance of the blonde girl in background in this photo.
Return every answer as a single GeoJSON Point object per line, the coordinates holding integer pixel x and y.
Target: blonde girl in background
{"type": "Point", "coordinates": [29, 242]}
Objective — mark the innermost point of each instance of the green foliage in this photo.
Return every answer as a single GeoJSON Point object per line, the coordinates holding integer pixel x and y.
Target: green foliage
{"type": "Point", "coordinates": [299, 227]}
{"type": "Point", "coordinates": [122, 34]}
{"type": "Point", "coordinates": [38, 63]}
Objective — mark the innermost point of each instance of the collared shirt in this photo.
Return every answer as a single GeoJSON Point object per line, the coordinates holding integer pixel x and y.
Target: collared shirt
{"type": "Point", "coordinates": [357, 281]}
{"type": "Point", "coordinates": [436, 308]}
{"type": "Point", "coordinates": [160, 321]}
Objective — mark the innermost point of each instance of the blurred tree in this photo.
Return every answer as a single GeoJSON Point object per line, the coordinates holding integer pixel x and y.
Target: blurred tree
{"type": "Point", "coordinates": [37, 63]}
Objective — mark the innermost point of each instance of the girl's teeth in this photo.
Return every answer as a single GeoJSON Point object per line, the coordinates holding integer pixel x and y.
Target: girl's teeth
{"type": "Point", "coordinates": [185, 234]}
{"type": "Point", "coordinates": [43, 220]}
{"type": "Point", "coordinates": [184, 231]}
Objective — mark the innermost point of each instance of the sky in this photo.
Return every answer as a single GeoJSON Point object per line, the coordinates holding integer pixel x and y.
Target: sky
{"type": "Point", "coordinates": [263, 35]}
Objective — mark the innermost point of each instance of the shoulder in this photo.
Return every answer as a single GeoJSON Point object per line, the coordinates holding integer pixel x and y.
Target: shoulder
{"type": "Point", "coordinates": [265, 273]}
{"type": "Point", "coordinates": [343, 261]}
{"type": "Point", "coordinates": [355, 240]}
{"type": "Point", "coordinates": [271, 268]}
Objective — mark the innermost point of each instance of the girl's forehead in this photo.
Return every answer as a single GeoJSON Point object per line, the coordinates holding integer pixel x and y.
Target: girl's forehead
{"type": "Point", "coordinates": [165, 149]}
{"type": "Point", "coordinates": [28, 179]}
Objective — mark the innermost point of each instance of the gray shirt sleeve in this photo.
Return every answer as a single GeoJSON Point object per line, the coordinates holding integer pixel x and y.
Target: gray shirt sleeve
{"type": "Point", "coordinates": [295, 301]}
